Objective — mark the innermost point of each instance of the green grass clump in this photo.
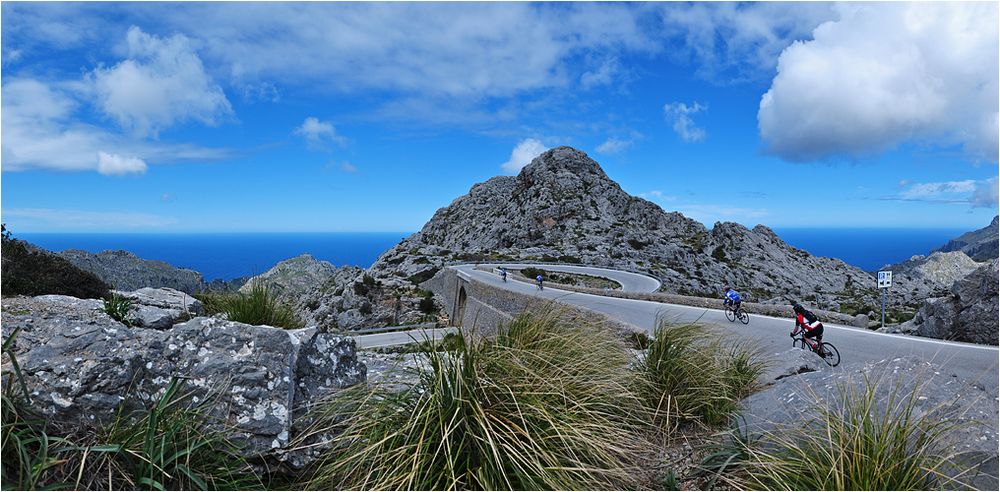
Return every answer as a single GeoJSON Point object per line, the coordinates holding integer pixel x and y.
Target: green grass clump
{"type": "Point", "coordinates": [866, 439]}
{"type": "Point", "coordinates": [256, 306]}
{"type": "Point", "coordinates": [546, 404]}
{"type": "Point", "coordinates": [118, 306]}
{"type": "Point", "coordinates": [690, 374]}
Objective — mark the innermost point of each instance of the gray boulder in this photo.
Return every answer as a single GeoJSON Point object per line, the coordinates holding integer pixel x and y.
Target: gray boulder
{"type": "Point", "coordinates": [160, 308]}
{"type": "Point", "coordinates": [81, 365]}
{"type": "Point", "coordinates": [968, 313]}
{"type": "Point", "coordinates": [792, 362]}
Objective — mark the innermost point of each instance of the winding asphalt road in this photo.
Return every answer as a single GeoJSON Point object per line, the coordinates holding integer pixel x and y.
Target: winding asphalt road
{"type": "Point", "coordinates": [631, 282]}
{"type": "Point", "coordinates": [971, 361]}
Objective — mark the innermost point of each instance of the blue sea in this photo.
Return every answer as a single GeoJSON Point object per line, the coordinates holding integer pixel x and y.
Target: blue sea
{"type": "Point", "coordinates": [868, 249]}
{"type": "Point", "coordinates": [227, 256]}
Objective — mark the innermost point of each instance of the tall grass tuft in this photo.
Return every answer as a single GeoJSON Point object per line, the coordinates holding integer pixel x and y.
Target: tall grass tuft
{"type": "Point", "coordinates": [546, 404]}
{"type": "Point", "coordinates": [870, 438]}
{"type": "Point", "coordinates": [118, 306]}
{"type": "Point", "coordinates": [690, 374]}
{"type": "Point", "coordinates": [257, 306]}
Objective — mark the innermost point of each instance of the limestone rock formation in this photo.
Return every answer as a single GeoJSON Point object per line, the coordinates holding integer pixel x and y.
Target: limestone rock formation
{"type": "Point", "coordinates": [126, 271]}
{"type": "Point", "coordinates": [922, 277]}
{"type": "Point", "coordinates": [968, 313]}
{"type": "Point", "coordinates": [80, 365]}
{"type": "Point", "coordinates": [563, 207]}
{"type": "Point", "coordinates": [341, 298]}
{"type": "Point", "coordinates": [980, 245]}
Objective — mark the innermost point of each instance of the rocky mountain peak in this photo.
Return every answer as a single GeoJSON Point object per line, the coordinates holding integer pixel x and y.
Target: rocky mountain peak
{"type": "Point", "coordinates": [563, 160]}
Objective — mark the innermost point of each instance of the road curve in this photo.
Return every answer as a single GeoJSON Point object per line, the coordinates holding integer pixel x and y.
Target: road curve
{"type": "Point", "coordinates": [631, 282]}
{"type": "Point", "coordinates": [971, 361]}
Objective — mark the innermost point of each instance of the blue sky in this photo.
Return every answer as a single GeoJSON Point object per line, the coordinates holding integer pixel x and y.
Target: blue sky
{"type": "Point", "coordinates": [215, 117]}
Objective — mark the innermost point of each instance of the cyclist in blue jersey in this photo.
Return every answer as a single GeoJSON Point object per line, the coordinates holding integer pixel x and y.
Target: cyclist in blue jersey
{"type": "Point", "coordinates": [732, 298]}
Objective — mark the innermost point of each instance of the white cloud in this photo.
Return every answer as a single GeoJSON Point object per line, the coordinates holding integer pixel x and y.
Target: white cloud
{"type": "Point", "coordinates": [925, 190]}
{"type": "Point", "coordinates": [113, 164]}
{"type": "Point", "coordinates": [981, 193]}
{"type": "Point", "coordinates": [886, 74]}
{"type": "Point", "coordinates": [347, 167]}
{"type": "Point", "coordinates": [45, 219]}
{"type": "Point", "coordinates": [710, 213]}
{"type": "Point", "coordinates": [986, 194]}
{"type": "Point", "coordinates": [683, 125]}
{"type": "Point", "coordinates": [658, 196]}
{"type": "Point", "coordinates": [318, 133]}
{"type": "Point", "coordinates": [41, 130]}
{"type": "Point", "coordinates": [615, 145]}
{"type": "Point", "coordinates": [522, 155]}
{"type": "Point", "coordinates": [162, 82]}
{"type": "Point", "coordinates": [602, 75]}
{"type": "Point", "coordinates": [739, 41]}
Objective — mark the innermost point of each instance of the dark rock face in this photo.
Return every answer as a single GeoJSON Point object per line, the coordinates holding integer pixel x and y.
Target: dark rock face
{"type": "Point", "coordinates": [968, 313]}
{"type": "Point", "coordinates": [563, 207]}
{"type": "Point", "coordinates": [32, 271]}
{"type": "Point", "coordinates": [980, 245]}
{"type": "Point", "coordinates": [81, 365]}
{"type": "Point", "coordinates": [126, 271]}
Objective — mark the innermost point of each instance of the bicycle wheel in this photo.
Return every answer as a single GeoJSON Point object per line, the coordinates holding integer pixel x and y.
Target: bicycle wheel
{"type": "Point", "coordinates": [830, 354]}
{"type": "Point", "coordinates": [744, 317]}
{"type": "Point", "coordinates": [730, 315]}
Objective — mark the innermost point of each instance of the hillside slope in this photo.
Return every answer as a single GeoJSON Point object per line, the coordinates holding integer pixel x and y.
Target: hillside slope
{"type": "Point", "coordinates": [563, 207]}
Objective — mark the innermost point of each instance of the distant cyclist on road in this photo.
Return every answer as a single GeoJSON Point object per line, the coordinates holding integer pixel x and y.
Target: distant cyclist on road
{"type": "Point", "coordinates": [809, 324]}
{"type": "Point", "coordinates": [538, 280]}
{"type": "Point", "coordinates": [503, 273]}
{"type": "Point", "coordinates": [732, 299]}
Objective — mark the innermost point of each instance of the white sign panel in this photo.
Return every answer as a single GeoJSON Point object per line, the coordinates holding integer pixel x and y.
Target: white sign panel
{"type": "Point", "coordinates": [884, 279]}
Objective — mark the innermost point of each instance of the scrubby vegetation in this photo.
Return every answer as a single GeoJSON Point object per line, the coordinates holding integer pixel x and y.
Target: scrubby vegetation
{"type": "Point", "coordinates": [167, 444]}
{"type": "Point", "coordinates": [565, 278]}
{"type": "Point", "coordinates": [32, 272]}
{"type": "Point", "coordinates": [867, 438]}
{"type": "Point", "coordinates": [690, 374]}
{"type": "Point", "coordinates": [542, 405]}
{"type": "Point", "coordinates": [257, 306]}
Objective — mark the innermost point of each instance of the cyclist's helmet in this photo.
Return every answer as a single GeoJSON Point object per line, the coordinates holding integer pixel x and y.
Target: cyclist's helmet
{"type": "Point", "coordinates": [797, 308]}
{"type": "Point", "coordinates": [727, 289]}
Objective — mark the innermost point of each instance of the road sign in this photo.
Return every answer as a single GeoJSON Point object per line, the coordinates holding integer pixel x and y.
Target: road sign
{"type": "Point", "coordinates": [884, 279]}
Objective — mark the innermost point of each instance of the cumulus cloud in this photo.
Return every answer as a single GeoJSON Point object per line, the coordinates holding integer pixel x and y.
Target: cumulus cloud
{"type": "Point", "coordinates": [162, 82]}
{"type": "Point", "coordinates": [602, 75]}
{"type": "Point", "coordinates": [114, 164]}
{"type": "Point", "coordinates": [41, 130]}
{"type": "Point", "coordinates": [318, 133]}
{"type": "Point", "coordinates": [522, 155]}
{"type": "Point", "coordinates": [886, 74]}
{"type": "Point", "coordinates": [684, 126]}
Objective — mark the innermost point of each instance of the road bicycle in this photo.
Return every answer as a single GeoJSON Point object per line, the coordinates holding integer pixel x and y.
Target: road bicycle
{"type": "Point", "coordinates": [738, 313]}
{"type": "Point", "coordinates": [538, 284]}
{"type": "Point", "coordinates": [830, 353]}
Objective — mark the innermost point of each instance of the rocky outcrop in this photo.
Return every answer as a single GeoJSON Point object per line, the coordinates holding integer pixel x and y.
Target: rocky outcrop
{"type": "Point", "coordinates": [126, 271]}
{"type": "Point", "coordinates": [922, 277]}
{"type": "Point", "coordinates": [968, 313]}
{"type": "Point", "coordinates": [339, 298]}
{"type": "Point", "coordinates": [160, 308]}
{"type": "Point", "coordinates": [980, 245]}
{"type": "Point", "coordinates": [81, 365]}
{"type": "Point", "coordinates": [563, 207]}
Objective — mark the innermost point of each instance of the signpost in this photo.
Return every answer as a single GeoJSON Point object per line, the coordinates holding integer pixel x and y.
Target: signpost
{"type": "Point", "coordinates": [884, 282]}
